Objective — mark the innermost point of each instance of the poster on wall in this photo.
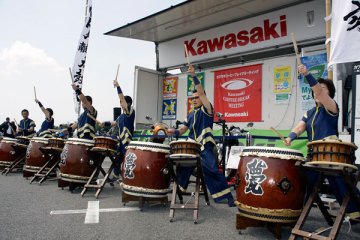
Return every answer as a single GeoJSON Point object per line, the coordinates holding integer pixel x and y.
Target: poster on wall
{"type": "Point", "coordinates": [169, 109]}
{"type": "Point", "coordinates": [190, 106]}
{"type": "Point", "coordinates": [282, 98]}
{"type": "Point", "coordinates": [316, 65]}
{"type": "Point", "coordinates": [170, 87]}
{"type": "Point", "coordinates": [237, 93]}
{"type": "Point", "coordinates": [282, 79]}
{"type": "Point", "coordinates": [190, 83]}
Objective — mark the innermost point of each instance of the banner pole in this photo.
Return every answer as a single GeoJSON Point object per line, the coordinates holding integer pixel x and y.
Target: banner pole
{"type": "Point", "coordinates": [328, 35]}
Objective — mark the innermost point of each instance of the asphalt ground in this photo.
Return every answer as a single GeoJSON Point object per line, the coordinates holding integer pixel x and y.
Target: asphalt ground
{"type": "Point", "coordinates": [26, 209]}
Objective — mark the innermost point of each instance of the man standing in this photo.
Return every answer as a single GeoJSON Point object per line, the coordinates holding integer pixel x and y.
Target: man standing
{"type": "Point", "coordinates": [8, 128]}
{"type": "Point", "coordinates": [200, 122]}
{"type": "Point", "coordinates": [125, 126]}
{"type": "Point", "coordinates": [48, 123]}
{"type": "Point", "coordinates": [87, 120]}
{"type": "Point", "coordinates": [26, 126]}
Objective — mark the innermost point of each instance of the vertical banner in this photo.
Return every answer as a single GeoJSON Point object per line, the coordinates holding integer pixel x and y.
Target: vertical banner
{"type": "Point", "coordinates": [355, 115]}
{"type": "Point", "coordinates": [80, 56]}
{"type": "Point", "coordinates": [237, 93]}
{"type": "Point", "coordinates": [316, 65]}
{"type": "Point", "coordinates": [345, 28]}
{"type": "Point", "coordinates": [170, 87]}
{"type": "Point", "coordinates": [169, 109]}
{"type": "Point", "coordinates": [190, 83]}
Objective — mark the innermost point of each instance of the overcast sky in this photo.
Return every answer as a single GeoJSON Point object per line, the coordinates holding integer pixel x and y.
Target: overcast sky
{"type": "Point", "coordinates": [38, 44]}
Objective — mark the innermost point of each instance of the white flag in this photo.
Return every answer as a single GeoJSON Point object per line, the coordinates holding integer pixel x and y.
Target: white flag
{"type": "Point", "coordinates": [345, 31]}
{"type": "Point", "coordinates": [80, 56]}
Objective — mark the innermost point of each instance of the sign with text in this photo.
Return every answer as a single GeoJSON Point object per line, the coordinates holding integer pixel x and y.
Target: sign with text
{"type": "Point", "coordinates": [170, 87]}
{"type": "Point", "coordinates": [282, 79]}
{"type": "Point", "coordinates": [316, 65]}
{"type": "Point", "coordinates": [169, 109]}
{"type": "Point", "coordinates": [238, 93]}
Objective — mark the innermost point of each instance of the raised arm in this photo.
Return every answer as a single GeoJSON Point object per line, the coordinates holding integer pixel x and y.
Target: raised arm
{"type": "Point", "coordinates": [205, 101]}
{"type": "Point", "coordinates": [123, 103]}
{"type": "Point", "coordinates": [83, 99]}
{"type": "Point", "coordinates": [319, 93]}
{"type": "Point", "coordinates": [46, 112]}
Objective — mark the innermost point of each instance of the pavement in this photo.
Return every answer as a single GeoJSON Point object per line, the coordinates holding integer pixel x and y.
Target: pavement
{"type": "Point", "coordinates": [33, 211]}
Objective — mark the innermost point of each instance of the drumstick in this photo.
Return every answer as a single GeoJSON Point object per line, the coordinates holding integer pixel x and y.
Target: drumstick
{"type": "Point", "coordinates": [92, 117]}
{"type": "Point", "coordinates": [295, 48]}
{"type": "Point", "coordinates": [35, 92]}
{"type": "Point", "coordinates": [16, 122]}
{"type": "Point", "coordinates": [117, 72]}
{"type": "Point", "coordinates": [187, 55]}
{"type": "Point", "coordinates": [278, 134]}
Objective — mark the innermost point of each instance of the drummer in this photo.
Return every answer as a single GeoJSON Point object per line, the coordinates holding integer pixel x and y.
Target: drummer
{"type": "Point", "coordinates": [322, 122]}
{"type": "Point", "coordinates": [26, 126]}
{"type": "Point", "coordinates": [200, 123]}
{"type": "Point", "coordinates": [86, 122]}
{"type": "Point", "coordinates": [48, 123]}
{"type": "Point", "coordinates": [125, 126]}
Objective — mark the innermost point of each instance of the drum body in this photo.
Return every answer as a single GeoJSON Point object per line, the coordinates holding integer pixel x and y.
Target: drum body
{"type": "Point", "coordinates": [75, 164]}
{"type": "Point", "coordinates": [185, 147]}
{"type": "Point", "coordinates": [104, 144]}
{"type": "Point", "coordinates": [7, 153]}
{"type": "Point", "coordinates": [35, 158]}
{"type": "Point", "coordinates": [57, 143]}
{"type": "Point", "coordinates": [271, 188]}
{"type": "Point", "coordinates": [144, 168]}
{"type": "Point", "coordinates": [331, 152]}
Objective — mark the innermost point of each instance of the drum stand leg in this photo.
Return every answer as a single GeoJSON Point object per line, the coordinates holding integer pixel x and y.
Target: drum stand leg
{"type": "Point", "coordinates": [13, 165]}
{"type": "Point", "coordinates": [195, 205]}
{"type": "Point", "coordinates": [106, 175]}
{"type": "Point", "coordinates": [335, 225]}
{"type": "Point", "coordinates": [40, 173]}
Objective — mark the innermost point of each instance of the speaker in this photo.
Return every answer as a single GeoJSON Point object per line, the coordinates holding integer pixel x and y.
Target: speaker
{"type": "Point", "coordinates": [116, 112]}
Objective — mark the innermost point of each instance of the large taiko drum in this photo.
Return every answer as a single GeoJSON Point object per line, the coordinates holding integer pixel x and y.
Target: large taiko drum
{"type": "Point", "coordinates": [270, 187]}
{"type": "Point", "coordinates": [35, 158]}
{"type": "Point", "coordinates": [76, 164]}
{"type": "Point", "coordinates": [331, 152]}
{"type": "Point", "coordinates": [7, 153]}
{"type": "Point", "coordinates": [144, 170]}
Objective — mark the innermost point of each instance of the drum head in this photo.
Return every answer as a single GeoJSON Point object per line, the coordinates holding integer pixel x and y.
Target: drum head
{"type": "Point", "coordinates": [274, 152]}
{"type": "Point", "coordinates": [332, 141]}
{"type": "Point", "coordinates": [40, 140]}
{"type": "Point", "coordinates": [80, 141]}
{"type": "Point", "coordinates": [150, 146]}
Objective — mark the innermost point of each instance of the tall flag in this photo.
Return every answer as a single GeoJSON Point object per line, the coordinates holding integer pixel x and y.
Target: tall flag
{"type": "Point", "coordinates": [345, 31]}
{"type": "Point", "coordinates": [80, 56]}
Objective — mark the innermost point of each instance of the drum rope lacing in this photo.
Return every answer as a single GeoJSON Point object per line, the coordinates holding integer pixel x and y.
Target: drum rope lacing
{"type": "Point", "coordinates": [277, 151]}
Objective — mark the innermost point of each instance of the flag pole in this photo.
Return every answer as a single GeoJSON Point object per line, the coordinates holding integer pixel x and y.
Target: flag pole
{"type": "Point", "coordinates": [328, 35]}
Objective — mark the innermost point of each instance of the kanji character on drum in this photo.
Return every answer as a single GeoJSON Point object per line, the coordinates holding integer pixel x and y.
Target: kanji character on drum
{"type": "Point", "coordinates": [200, 123]}
{"type": "Point", "coordinates": [26, 126]}
{"type": "Point", "coordinates": [87, 120]}
{"type": "Point", "coordinates": [322, 122]}
{"type": "Point", "coordinates": [48, 123]}
{"type": "Point", "coordinates": [125, 127]}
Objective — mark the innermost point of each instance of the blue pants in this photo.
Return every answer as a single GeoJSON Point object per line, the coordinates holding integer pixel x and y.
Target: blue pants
{"type": "Point", "coordinates": [119, 157]}
{"type": "Point", "coordinates": [214, 180]}
{"type": "Point", "coordinates": [338, 188]}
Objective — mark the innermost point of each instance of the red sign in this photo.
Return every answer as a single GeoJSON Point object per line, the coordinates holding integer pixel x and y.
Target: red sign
{"type": "Point", "coordinates": [238, 93]}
